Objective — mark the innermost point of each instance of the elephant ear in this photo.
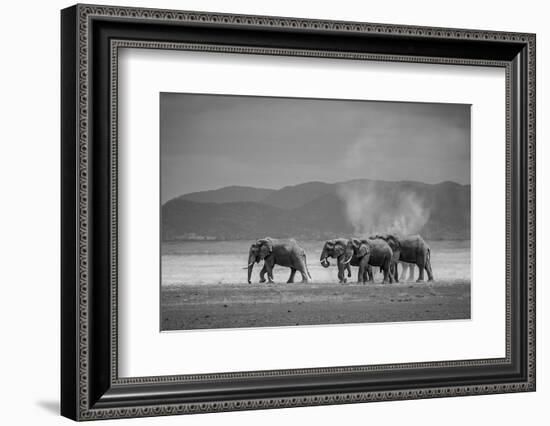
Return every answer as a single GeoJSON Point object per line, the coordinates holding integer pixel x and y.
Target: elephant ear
{"type": "Point", "coordinates": [393, 242]}
{"type": "Point", "coordinates": [266, 247]}
{"type": "Point", "coordinates": [363, 250]}
{"type": "Point", "coordinates": [339, 249]}
{"type": "Point", "coordinates": [350, 248]}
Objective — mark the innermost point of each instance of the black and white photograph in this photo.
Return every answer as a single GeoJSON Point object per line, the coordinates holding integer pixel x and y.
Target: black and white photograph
{"type": "Point", "coordinates": [296, 211]}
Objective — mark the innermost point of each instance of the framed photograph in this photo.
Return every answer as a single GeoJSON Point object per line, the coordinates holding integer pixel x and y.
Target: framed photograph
{"type": "Point", "coordinates": [263, 212]}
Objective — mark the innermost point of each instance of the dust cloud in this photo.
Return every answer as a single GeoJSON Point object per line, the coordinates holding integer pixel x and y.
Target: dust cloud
{"type": "Point", "coordinates": [371, 208]}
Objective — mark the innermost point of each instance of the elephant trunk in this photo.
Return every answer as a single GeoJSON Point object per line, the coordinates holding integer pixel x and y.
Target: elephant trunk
{"type": "Point", "coordinates": [324, 259]}
{"type": "Point", "coordinates": [250, 272]}
{"type": "Point", "coordinates": [251, 260]}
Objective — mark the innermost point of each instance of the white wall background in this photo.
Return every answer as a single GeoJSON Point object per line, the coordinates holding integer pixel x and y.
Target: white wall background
{"type": "Point", "coordinates": [29, 217]}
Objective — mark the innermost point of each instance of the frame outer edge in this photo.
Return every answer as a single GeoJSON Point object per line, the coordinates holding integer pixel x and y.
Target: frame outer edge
{"type": "Point", "coordinates": [531, 200]}
{"type": "Point", "coordinates": [83, 13]}
{"type": "Point", "coordinates": [69, 288]}
{"type": "Point", "coordinates": [83, 197]}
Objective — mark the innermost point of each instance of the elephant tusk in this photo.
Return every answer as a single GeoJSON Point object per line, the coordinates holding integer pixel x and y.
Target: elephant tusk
{"type": "Point", "coordinates": [249, 265]}
{"type": "Point", "coordinates": [348, 261]}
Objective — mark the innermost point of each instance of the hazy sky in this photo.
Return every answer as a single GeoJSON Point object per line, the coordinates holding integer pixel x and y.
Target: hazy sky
{"type": "Point", "coordinates": [211, 141]}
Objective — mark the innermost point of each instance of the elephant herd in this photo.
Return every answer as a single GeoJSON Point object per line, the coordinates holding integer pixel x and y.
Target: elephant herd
{"type": "Point", "coordinates": [384, 251]}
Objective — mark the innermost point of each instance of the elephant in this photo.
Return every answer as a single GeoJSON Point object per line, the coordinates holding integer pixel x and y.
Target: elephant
{"type": "Point", "coordinates": [351, 252]}
{"type": "Point", "coordinates": [341, 250]}
{"type": "Point", "coordinates": [410, 249]}
{"type": "Point", "coordinates": [278, 252]}
{"type": "Point", "coordinates": [372, 252]}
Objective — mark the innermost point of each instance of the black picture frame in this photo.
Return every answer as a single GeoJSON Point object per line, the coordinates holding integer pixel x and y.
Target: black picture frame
{"type": "Point", "coordinates": [90, 386]}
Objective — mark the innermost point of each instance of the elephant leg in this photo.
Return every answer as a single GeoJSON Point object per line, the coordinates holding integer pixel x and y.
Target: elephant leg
{"type": "Point", "coordinates": [349, 270]}
{"type": "Point", "coordinates": [367, 274]}
{"type": "Point", "coordinates": [394, 271]}
{"type": "Point", "coordinates": [420, 272]}
{"type": "Point", "coordinates": [262, 274]}
{"type": "Point", "coordinates": [386, 275]}
{"type": "Point", "coordinates": [302, 267]}
{"type": "Point", "coordinates": [370, 274]}
{"type": "Point", "coordinates": [291, 278]}
{"type": "Point", "coordinates": [341, 275]}
{"type": "Point", "coordinates": [303, 271]}
{"type": "Point", "coordinates": [428, 267]}
{"type": "Point", "coordinates": [269, 269]}
{"type": "Point", "coordinates": [390, 268]}
{"type": "Point", "coordinates": [365, 269]}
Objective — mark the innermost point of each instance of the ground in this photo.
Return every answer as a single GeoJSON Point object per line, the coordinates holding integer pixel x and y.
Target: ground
{"type": "Point", "coordinates": [260, 305]}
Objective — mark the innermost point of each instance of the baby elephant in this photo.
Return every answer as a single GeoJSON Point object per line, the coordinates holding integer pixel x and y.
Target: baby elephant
{"type": "Point", "coordinates": [278, 252]}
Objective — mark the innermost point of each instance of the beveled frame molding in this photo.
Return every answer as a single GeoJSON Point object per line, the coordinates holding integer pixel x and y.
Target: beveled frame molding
{"type": "Point", "coordinates": [91, 38]}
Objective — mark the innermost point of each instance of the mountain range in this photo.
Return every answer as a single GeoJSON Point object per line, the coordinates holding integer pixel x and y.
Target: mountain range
{"type": "Point", "coordinates": [318, 210]}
